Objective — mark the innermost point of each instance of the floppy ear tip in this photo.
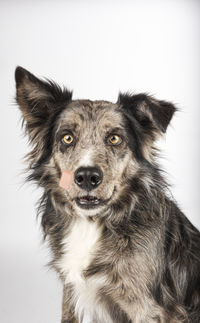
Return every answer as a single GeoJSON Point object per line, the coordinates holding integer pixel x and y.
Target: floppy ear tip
{"type": "Point", "coordinates": [168, 111]}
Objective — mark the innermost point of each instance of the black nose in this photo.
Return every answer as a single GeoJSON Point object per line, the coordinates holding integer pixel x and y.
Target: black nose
{"type": "Point", "coordinates": [88, 178]}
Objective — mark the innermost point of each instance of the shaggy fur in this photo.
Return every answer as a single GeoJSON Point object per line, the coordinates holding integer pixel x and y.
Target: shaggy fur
{"type": "Point", "coordinates": [134, 256]}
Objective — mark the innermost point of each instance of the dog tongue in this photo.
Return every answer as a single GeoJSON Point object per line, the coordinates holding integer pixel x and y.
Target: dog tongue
{"type": "Point", "coordinates": [66, 179]}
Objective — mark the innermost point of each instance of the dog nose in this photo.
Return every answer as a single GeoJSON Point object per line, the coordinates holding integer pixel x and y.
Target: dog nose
{"type": "Point", "coordinates": [88, 178]}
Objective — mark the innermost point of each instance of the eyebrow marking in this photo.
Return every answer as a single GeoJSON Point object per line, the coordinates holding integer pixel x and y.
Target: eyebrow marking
{"type": "Point", "coordinates": [67, 127]}
{"type": "Point", "coordinates": [116, 130]}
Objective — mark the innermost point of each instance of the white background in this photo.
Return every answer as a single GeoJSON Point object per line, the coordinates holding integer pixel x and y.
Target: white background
{"type": "Point", "coordinates": [96, 48]}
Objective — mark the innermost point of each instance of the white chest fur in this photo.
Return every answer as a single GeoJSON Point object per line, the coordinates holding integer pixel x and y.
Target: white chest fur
{"type": "Point", "coordinates": [79, 248]}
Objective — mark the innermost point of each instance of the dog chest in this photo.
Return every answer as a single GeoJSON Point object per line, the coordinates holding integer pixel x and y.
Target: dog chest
{"type": "Point", "coordinates": [78, 249]}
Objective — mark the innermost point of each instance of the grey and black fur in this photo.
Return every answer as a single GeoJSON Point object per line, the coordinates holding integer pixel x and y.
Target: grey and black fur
{"type": "Point", "coordinates": [123, 249]}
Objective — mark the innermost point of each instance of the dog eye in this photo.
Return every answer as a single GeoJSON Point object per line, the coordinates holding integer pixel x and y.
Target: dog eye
{"type": "Point", "coordinates": [115, 140]}
{"type": "Point", "coordinates": [67, 139]}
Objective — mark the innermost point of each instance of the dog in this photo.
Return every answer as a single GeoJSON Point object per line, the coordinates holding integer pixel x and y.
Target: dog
{"type": "Point", "coordinates": [121, 246]}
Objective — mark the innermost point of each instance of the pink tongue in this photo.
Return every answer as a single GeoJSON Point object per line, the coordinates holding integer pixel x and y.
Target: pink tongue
{"type": "Point", "coordinates": [66, 179]}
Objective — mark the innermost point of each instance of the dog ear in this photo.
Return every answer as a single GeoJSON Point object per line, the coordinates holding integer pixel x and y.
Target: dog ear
{"type": "Point", "coordinates": [152, 115]}
{"type": "Point", "coordinates": [38, 100]}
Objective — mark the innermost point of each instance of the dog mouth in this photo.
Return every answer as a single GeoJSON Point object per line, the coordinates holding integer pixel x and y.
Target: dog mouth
{"type": "Point", "coordinates": [89, 202]}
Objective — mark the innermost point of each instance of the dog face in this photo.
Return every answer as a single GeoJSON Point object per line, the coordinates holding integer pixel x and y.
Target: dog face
{"type": "Point", "coordinates": [90, 141]}
{"type": "Point", "coordinates": [103, 144]}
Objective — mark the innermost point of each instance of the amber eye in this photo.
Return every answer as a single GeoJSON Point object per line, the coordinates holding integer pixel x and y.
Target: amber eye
{"type": "Point", "coordinates": [68, 139]}
{"type": "Point", "coordinates": [115, 140]}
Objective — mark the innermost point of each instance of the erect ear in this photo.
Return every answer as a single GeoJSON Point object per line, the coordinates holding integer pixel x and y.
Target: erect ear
{"type": "Point", "coordinates": [152, 115]}
{"type": "Point", "coordinates": [38, 100]}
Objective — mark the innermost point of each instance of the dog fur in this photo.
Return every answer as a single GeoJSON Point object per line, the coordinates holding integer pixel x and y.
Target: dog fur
{"type": "Point", "coordinates": [135, 257]}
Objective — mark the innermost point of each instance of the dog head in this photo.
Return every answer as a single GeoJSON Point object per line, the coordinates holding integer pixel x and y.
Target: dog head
{"type": "Point", "coordinates": [103, 144]}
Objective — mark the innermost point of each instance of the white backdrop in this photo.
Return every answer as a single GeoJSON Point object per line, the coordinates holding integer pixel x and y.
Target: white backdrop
{"type": "Point", "coordinates": [96, 48]}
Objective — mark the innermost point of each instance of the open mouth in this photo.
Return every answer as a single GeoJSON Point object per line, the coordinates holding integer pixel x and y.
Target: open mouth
{"type": "Point", "coordinates": [88, 201]}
